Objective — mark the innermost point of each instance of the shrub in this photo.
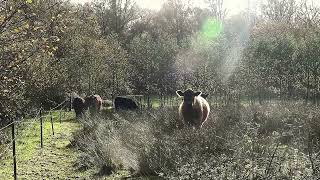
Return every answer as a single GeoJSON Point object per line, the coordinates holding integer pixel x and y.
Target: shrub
{"type": "Point", "coordinates": [237, 142]}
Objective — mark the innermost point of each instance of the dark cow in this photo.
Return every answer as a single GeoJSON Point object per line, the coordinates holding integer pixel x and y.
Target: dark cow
{"type": "Point", "coordinates": [204, 95]}
{"type": "Point", "coordinates": [93, 103]}
{"type": "Point", "coordinates": [125, 104]}
{"type": "Point", "coordinates": [194, 110]}
{"type": "Point", "coordinates": [78, 105]}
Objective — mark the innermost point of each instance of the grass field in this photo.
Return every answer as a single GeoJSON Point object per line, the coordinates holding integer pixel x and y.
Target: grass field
{"type": "Point", "coordinates": [270, 141]}
{"type": "Point", "coordinates": [57, 160]}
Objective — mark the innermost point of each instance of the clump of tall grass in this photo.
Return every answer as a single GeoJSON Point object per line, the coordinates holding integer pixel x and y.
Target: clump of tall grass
{"type": "Point", "coordinates": [271, 141]}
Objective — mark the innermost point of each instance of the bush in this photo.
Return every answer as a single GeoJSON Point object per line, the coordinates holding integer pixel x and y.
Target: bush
{"type": "Point", "coordinates": [237, 142]}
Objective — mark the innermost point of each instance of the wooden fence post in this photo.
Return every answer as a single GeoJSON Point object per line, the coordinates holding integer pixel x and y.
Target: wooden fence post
{"type": "Point", "coordinates": [60, 116]}
{"type": "Point", "coordinates": [14, 153]}
{"type": "Point", "coordinates": [41, 131]}
{"type": "Point", "coordinates": [17, 118]}
{"type": "Point", "coordinates": [51, 119]}
{"type": "Point", "coordinates": [70, 101]}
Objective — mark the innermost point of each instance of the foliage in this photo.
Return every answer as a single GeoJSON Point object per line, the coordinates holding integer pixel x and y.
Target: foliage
{"type": "Point", "coordinates": [153, 62]}
{"type": "Point", "coordinates": [25, 35]}
{"type": "Point", "coordinates": [112, 48]}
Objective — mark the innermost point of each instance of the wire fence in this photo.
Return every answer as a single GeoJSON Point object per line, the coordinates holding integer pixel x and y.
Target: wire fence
{"type": "Point", "coordinates": [159, 101]}
{"type": "Point", "coordinates": [19, 125]}
{"type": "Point", "coordinates": [24, 124]}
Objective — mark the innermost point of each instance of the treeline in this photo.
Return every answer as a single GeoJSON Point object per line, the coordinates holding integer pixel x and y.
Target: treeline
{"type": "Point", "coordinates": [112, 47]}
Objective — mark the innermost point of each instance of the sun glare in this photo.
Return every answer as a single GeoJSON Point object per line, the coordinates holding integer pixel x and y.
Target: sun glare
{"type": "Point", "coordinates": [212, 28]}
{"type": "Point", "coordinates": [232, 6]}
{"type": "Point", "coordinates": [150, 4]}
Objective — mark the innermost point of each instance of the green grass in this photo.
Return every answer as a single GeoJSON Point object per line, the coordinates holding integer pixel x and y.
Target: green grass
{"type": "Point", "coordinates": [54, 160]}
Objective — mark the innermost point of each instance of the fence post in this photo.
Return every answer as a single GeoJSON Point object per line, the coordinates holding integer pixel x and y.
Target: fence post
{"type": "Point", "coordinates": [17, 118]}
{"type": "Point", "coordinates": [41, 131]}
{"type": "Point", "coordinates": [51, 119]}
{"type": "Point", "coordinates": [60, 116]}
{"type": "Point", "coordinates": [70, 101]}
{"type": "Point", "coordinates": [14, 153]}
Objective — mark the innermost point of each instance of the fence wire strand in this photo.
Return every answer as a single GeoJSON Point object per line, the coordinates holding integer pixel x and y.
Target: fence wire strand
{"type": "Point", "coordinates": [58, 106]}
{"type": "Point", "coordinates": [8, 125]}
{"type": "Point", "coordinates": [30, 121]}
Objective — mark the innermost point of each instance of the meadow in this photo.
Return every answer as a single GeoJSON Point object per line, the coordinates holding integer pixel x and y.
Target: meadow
{"type": "Point", "coordinates": [269, 141]}
{"type": "Point", "coordinates": [260, 67]}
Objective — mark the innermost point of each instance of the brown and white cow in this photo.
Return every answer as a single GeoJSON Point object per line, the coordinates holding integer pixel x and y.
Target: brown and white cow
{"type": "Point", "coordinates": [93, 103]}
{"type": "Point", "coordinates": [194, 110]}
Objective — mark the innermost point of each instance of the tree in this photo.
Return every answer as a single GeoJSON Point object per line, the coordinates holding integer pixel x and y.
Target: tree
{"type": "Point", "coordinates": [280, 10]}
{"type": "Point", "coordinates": [308, 15]}
{"type": "Point", "coordinates": [174, 19]}
{"type": "Point", "coordinates": [153, 64]}
{"type": "Point", "coordinates": [24, 37]}
{"type": "Point", "coordinates": [115, 16]}
{"type": "Point", "coordinates": [217, 8]}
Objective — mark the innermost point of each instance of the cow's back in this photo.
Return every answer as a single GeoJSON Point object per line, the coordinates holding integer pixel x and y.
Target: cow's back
{"type": "Point", "coordinates": [125, 104]}
{"type": "Point", "coordinates": [77, 102]}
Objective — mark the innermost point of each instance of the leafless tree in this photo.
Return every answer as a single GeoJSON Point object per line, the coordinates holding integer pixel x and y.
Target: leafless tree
{"type": "Point", "coordinates": [280, 10]}
{"type": "Point", "coordinates": [217, 8]}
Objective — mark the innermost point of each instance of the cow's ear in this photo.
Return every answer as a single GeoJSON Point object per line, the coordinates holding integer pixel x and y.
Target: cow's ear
{"type": "Point", "coordinates": [180, 93]}
{"type": "Point", "coordinates": [197, 93]}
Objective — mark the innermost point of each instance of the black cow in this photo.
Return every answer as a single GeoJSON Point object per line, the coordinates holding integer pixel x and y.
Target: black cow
{"type": "Point", "coordinates": [78, 105]}
{"type": "Point", "coordinates": [125, 104]}
{"type": "Point", "coordinates": [204, 95]}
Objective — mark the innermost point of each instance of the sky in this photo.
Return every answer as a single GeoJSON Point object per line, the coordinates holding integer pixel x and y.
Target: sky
{"type": "Point", "coordinates": [232, 6]}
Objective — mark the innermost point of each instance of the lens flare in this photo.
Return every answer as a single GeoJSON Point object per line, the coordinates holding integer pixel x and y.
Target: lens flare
{"type": "Point", "coordinates": [211, 29]}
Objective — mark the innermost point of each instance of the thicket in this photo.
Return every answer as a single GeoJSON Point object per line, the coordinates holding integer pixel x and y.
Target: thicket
{"type": "Point", "coordinates": [271, 141]}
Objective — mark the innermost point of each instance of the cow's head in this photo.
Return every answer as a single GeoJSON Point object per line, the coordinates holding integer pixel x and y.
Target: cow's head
{"type": "Point", "coordinates": [188, 96]}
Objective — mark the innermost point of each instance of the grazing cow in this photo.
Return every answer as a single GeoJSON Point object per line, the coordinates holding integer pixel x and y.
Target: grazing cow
{"type": "Point", "coordinates": [78, 105]}
{"type": "Point", "coordinates": [194, 110]}
{"type": "Point", "coordinates": [93, 103]}
{"type": "Point", "coordinates": [125, 104]}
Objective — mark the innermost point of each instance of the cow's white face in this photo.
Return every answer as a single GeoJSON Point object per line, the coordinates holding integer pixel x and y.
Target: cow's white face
{"type": "Point", "coordinates": [188, 96]}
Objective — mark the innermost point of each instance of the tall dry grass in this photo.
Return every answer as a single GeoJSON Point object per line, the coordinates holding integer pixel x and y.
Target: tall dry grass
{"type": "Point", "coordinates": [272, 141]}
